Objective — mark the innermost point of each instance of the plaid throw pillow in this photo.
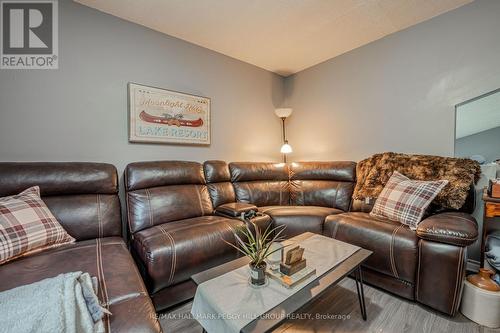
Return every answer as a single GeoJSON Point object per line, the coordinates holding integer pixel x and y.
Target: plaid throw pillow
{"type": "Point", "coordinates": [405, 200]}
{"type": "Point", "coordinates": [28, 226]}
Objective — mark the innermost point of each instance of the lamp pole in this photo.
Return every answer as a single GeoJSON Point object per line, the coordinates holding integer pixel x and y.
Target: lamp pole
{"type": "Point", "coordinates": [284, 135]}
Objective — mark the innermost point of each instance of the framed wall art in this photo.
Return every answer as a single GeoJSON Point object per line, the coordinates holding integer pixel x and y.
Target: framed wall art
{"type": "Point", "coordinates": [163, 116]}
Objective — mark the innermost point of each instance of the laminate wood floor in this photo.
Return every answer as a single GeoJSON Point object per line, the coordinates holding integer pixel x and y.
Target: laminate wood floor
{"type": "Point", "coordinates": [386, 313]}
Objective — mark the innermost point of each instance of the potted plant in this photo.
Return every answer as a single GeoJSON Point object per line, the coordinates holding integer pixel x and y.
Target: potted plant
{"type": "Point", "coordinates": [255, 244]}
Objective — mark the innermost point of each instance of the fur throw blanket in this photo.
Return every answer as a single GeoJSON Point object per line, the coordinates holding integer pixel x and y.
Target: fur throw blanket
{"type": "Point", "coordinates": [374, 172]}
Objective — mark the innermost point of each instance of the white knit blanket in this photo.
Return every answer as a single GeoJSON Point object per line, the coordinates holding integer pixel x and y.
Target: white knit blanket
{"type": "Point", "coordinates": [59, 304]}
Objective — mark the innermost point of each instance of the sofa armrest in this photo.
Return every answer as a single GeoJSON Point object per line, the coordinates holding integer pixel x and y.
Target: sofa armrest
{"type": "Point", "coordinates": [453, 228]}
{"type": "Point", "coordinates": [234, 209]}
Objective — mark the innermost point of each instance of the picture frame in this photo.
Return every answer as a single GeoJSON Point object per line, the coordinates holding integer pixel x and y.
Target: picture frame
{"type": "Point", "coordinates": [157, 115]}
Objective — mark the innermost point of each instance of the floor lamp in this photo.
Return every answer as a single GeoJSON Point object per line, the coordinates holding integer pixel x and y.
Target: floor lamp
{"type": "Point", "coordinates": [284, 113]}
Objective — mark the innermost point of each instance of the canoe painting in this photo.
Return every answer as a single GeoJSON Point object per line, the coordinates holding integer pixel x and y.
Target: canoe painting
{"type": "Point", "coordinates": [159, 115]}
{"type": "Point", "coordinates": [167, 119]}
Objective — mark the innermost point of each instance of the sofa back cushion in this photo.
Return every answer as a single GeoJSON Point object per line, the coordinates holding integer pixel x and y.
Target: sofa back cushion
{"type": "Point", "coordinates": [260, 183]}
{"type": "Point", "coordinates": [165, 191]}
{"type": "Point", "coordinates": [218, 181]}
{"type": "Point", "coordinates": [83, 197]}
{"type": "Point", "coordinates": [326, 184]}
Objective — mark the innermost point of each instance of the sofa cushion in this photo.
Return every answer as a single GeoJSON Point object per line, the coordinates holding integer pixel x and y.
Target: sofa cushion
{"type": "Point", "coordinates": [120, 284]}
{"type": "Point", "coordinates": [172, 252]}
{"type": "Point", "coordinates": [218, 181]}
{"type": "Point", "coordinates": [405, 200]}
{"type": "Point", "coordinates": [394, 245]}
{"type": "Point", "coordinates": [263, 192]}
{"type": "Point", "coordinates": [165, 191]}
{"type": "Point", "coordinates": [299, 219]}
{"type": "Point", "coordinates": [141, 175]}
{"type": "Point", "coordinates": [326, 184]}
{"type": "Point", "coordinates": [82, 196]}
{"type": "Point", "coordinates": [261, 184]}
{"type": "Point", "coordinates": [158, 205]}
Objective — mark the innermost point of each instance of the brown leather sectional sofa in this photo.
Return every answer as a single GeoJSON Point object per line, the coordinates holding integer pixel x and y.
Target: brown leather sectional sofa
{"type": "Point", "coordinates": [84, 198]}
{"type": "Point", "coordinates": [179, 211]}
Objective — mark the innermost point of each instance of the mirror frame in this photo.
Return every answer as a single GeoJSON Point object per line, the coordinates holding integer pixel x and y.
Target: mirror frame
{"type": "Point", "coordinates": [461, 104]}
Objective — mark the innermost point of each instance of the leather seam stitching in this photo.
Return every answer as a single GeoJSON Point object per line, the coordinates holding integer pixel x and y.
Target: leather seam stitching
{"type": "Point", "coordinates": [418, 269]}
{"type": "Point", "coordinates": [455, 306]}
{"type": "Point", "coordinates": [335, 230]}
{"type": "Point", "coordinates": [128, 298]}
{"type": "Point", "coordinates": [458, 281]}
{"type": "Point", "coordinates": [334, 203]}
{"type": "Point", "coordinates": [303, 195]}
{"type": "Point", "coordinates": [190, 226]}
{"type": "Point", "coordinates": [447, 236]}
{"type": "Point", "coordinates": [199, 201]}
{"type": "Point", "coordinates": [462, 274]}
{"type": "Point", "coordinates": [174, 255]}
{"type": "Point", "coordinates": [281, 194]}
{"type": "Point", "coordinates": [391, 252]}
{"type": "Point", "coordinates": [250, 196]}
{"type": "Point", "coordinates": [174, 263]}
{"type": "Point", "coordinates": [99, 221]}
{"type": "Point", "coordinates": [150, 209]}
{"type": "Point", "coordinates": [128, 212]}
{"type": "Point", "coordinates": [100, 272]}
{"type": "Point", "coordinates": [387, 274]}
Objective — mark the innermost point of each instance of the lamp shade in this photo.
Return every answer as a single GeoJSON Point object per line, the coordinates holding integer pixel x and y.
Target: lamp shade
{"type": "Point", "coordinates": [286, 148]}
{"type": "Point", "coordinates": [283, 112]}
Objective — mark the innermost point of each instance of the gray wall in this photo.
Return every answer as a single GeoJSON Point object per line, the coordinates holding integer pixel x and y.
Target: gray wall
{"type": "Point", "coordinates": [79, 112]}
{"type": "Point", "coordinates": [486, 143]}
{"type": "Point", "coordinates": [397, 93]}
{"type": "Point", "coordinates": [394, 94]}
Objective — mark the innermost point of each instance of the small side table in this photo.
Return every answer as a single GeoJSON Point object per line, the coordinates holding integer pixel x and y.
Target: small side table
{"type": "Point", "coordinates": [491, 210]}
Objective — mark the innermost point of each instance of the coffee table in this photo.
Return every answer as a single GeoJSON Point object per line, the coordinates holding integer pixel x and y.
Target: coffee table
{"type": "Point", "coordinates": [309, 293]}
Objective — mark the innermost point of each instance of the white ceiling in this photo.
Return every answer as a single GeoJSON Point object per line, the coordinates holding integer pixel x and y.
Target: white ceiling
{"type": "Point", "coordinates": [478, 116]}
{"type": "Point", "coordinates": [282, 36]}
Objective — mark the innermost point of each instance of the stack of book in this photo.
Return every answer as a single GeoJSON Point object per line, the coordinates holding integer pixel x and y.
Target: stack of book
{"type": "Point", "coordinates": [289, 281]}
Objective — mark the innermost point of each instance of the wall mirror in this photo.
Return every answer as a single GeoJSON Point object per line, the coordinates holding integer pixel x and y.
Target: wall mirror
{"type": "Point", "coordinates": [477, 130]}
{"type": "Point", "coordinates": [477, 136]}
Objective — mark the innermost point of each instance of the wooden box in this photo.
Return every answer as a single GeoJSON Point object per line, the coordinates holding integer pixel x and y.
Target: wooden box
{"type": "Point", "coordinates": [494, 188]}
{"type": "Point", "coordinates": [293, 268]}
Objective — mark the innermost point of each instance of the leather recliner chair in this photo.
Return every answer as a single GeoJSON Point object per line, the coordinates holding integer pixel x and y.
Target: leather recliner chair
{"type": "Point", "coordinates": [427, 265]}
{"type": "Point", "coordinates": [174, 231]}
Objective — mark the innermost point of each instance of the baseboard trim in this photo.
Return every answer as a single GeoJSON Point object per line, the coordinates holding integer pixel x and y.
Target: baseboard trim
{"type": "Point", "coordinates": [473, 265]}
